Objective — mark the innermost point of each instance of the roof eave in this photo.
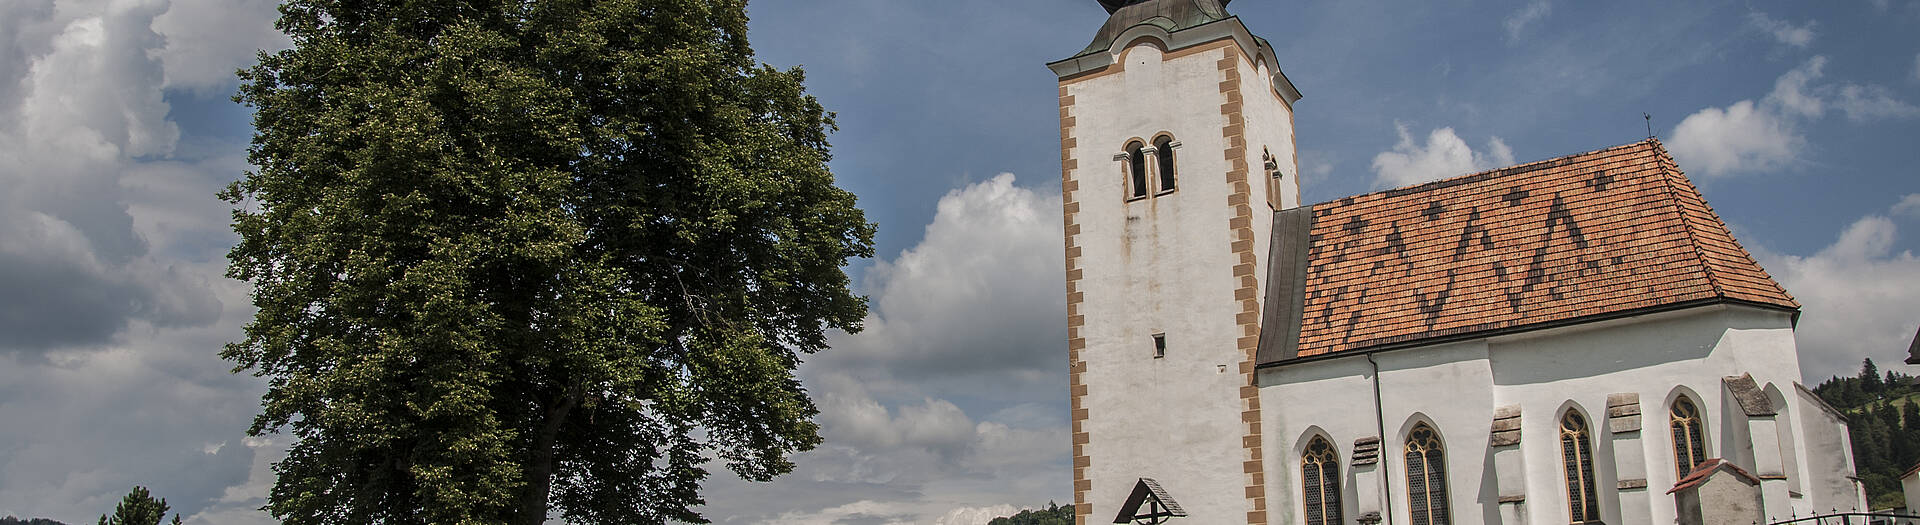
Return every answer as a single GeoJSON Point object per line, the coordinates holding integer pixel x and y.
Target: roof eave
{"type": "Point", "coordinates": [1526, 328]}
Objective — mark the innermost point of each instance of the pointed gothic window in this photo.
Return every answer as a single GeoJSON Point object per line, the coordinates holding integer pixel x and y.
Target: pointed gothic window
{"type": "Point", "coordinates": [1136, 170]}
{"type": "Point", "coordinates": [1576, 452]}
{"type": "Point", "coordinates": [1689, 448]}
{"type": "Point", "coordinates": [1163, 151]}
{"type": "Point", "coordinates": [1427, 477]}
{"type": "Point", "coordinates": [1320, 480]}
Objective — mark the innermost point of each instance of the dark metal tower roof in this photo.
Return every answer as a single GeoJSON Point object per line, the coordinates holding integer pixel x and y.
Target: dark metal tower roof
{"type": "Point", "coordinates": [1115, 5]}
{"type": "Point", "coordinates": [1169, 15]}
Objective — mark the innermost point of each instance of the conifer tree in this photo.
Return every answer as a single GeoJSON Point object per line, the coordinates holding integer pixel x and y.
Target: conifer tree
{"type": "Point", "coordinates": [520, 255]}
{"type": "Point", "coordinates": [139, 508]}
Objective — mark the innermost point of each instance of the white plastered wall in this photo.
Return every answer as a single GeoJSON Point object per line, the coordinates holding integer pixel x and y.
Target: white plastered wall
{"type": "Point", "coordinates": [1457, 386]}
{"type": "Point", "coordinates": [1162, 265]}
{"type": "Point", "coordinates": [1269, 129]}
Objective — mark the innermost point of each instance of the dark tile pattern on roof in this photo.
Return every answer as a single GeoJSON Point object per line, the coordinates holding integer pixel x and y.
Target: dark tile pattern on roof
{"type": "Point", "coordinates": [1605, 232]}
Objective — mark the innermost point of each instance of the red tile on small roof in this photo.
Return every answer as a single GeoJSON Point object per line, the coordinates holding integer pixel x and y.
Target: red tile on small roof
{"type": "Point", "coordinates": [1604, 232]}
{"type": "Point", "coordinates": [1706, 469]}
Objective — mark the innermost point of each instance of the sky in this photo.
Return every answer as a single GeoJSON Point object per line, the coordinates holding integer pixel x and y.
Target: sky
{"type": "Point", "coordinates": [1798, 121]}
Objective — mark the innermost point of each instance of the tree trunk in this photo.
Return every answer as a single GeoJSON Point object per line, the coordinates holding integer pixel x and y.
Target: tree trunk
{"type": "Point", "coordinates": [533, 504]}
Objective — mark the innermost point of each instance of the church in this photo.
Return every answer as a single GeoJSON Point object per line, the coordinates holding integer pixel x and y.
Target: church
{"type": "Point", "coordinates": [1573, 340]}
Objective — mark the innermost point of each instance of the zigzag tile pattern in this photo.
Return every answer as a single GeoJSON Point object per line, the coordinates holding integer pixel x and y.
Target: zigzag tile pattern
{"type": "Point", "coordinates": [1606, 231]}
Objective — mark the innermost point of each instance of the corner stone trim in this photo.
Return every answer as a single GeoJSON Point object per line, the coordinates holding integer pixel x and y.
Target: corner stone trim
{"type": "Point", "coordinates": [1077, 387]}
{"type": "Point", "coordinates": [1248, 290]}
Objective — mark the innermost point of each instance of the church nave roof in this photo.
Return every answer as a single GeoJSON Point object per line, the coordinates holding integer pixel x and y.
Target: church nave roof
{"type": "Point", "coordinates": [1602, 234]}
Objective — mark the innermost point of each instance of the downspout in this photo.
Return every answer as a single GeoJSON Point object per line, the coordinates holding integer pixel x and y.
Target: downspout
{"type": "Point", "coordinates": [1380, 426]}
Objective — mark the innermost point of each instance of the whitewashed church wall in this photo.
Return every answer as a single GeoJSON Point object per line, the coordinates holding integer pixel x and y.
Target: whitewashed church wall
{"type": "Point", "coordinates": [1159, 265]}
{"type": "Point", "coordinates": [1910, 487]}
{"type": "Point", "coordinates": [1828, 450]}
{"type": "Point", "coordinates": [1269, 129]}
{"type": "Point", "coordinates": [1450, 388]}
{"type": "Point", "coordinates": [1651, 356]}
{"type": "Point", "coordinates": [1457, 387]}
{"type": "Point", "coordinates": [1333, 398]}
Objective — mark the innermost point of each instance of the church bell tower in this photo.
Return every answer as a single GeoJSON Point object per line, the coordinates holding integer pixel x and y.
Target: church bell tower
{"type": "Point", "coordinates": [1176, 143]}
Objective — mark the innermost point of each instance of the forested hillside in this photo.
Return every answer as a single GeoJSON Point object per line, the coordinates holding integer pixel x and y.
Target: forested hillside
{"type": "Point", "coordinates": [10, 520]}
{"type": "Point", "coordinates": [1883, 415]}
{"type": "Point", "coordinates": [1054, 514]}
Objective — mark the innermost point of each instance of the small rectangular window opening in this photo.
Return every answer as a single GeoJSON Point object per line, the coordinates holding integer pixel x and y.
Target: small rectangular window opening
{"type": "Point", "coordinates": [1159, 345]}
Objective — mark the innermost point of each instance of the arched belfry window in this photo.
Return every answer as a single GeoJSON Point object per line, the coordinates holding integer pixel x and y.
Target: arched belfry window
{"type": "Point", "coordinates": [1689, 446]}
{"type": "Point", "coordinates": [1426, 477]}
{"type": "Point", "coordinates": [1576, 453]}
{"type": "Point", "coordinates": [1320, 482]}
{"type": "Point", "coordinates": [1136, 170]}
{"type": "Point", "coordinates": [1163, 151]}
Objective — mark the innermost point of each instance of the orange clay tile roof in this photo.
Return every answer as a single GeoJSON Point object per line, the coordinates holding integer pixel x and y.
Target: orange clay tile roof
{"type": "Point", "coordinates": [1595, 235]}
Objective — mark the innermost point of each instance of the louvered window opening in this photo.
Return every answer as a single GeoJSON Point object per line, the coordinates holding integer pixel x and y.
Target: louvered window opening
{"type": "Point", "coordinates": [1320, 471]}
{"type": "Point", "coordinates": [1576, 451]}
{"type": "Point", "coordinates": [1427, 477]}
{"type": "Point", "coordinates": [1689, 448]}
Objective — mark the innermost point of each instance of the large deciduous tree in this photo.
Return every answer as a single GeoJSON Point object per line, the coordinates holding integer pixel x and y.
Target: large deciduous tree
{"type": "Point", "coordinates": [514, 255]}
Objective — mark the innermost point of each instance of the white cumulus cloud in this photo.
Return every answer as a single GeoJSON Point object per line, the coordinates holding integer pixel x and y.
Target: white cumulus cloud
{"type": "Point", "coordinates": [1443, 155]}
{"type": "Point", "coordinates": [1909, 206]}
{"type": "Point", "coordinates": [1863, 103]}
{"type": "Point", "coordinates": [1739, 138]}
{"type": "Point", "coordinates": [1858, 296]}
{"type": "Point", "coordinates": [913, 433]}
{"type": "Point", "coordinates": [1783, 31]}
{"type": "Point", "coordinates": [1750, 136]}
{"type": "Point", "coordinates": [208, 39]}
{"type": "Point", "coordinates": [113, 302]}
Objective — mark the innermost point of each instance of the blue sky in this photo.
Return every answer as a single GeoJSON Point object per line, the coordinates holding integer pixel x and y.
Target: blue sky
{"type": "Point", "coordinates": [1797, 119]}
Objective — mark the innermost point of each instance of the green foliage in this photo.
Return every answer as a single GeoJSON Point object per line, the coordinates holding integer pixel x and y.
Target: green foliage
{"type": "Point", "coordinates": [1052, 515]}
{"type": "Point", "coordinates": [10, 520]}
{"type": "Point", "coordinates": [139, 508]}
{"type": "Point", "coordinates": [1883, 416]}
{"type": "Point", "coordinates": [513, 255]}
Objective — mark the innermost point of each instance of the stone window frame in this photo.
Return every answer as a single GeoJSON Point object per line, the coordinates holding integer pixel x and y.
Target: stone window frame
{"type": "Point", "coordinates": [1166, 166]}
{"type": "Point", "coordinates": [1135, 169]}
{"type": "Point", "coordinates": [1424, 446]}
{"type": "Point", "coordinates": [1695, 443]}
{"type": "Point", "coordinates": [1143, 168]}
{"type": "Point", "coordinates": [1577, 464]}
{"type": "Point", "coordinates": [1321, 457]}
